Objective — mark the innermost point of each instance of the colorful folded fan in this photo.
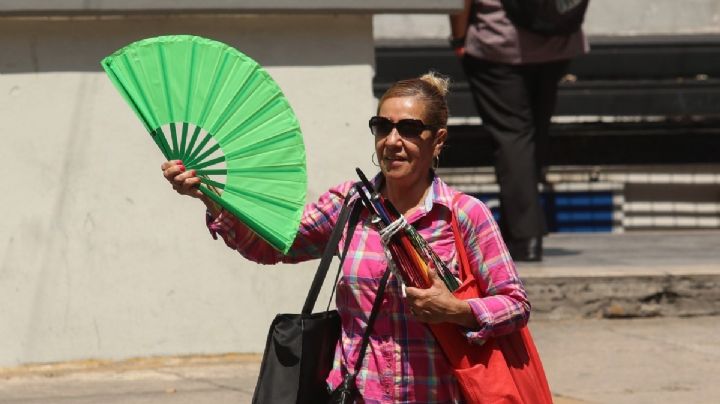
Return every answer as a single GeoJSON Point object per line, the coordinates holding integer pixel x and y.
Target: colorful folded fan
{"type": "Point", "coordinates": [411, 255]}
{"type": "Point", "coordinates": [218, 111]}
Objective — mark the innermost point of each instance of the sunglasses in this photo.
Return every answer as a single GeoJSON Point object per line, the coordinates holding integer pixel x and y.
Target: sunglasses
{"type": "Point", "coordinates": [407, 128]}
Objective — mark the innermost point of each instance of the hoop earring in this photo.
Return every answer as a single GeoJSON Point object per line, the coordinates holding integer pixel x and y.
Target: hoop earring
{"type": "Point", "coordinates": [373, 159]}
{"type": "Point", "coordinates": [436, 162]}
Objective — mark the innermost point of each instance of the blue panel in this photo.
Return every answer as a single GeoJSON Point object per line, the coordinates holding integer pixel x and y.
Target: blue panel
{"type": "Point", "coordinates": [584, 216]}
{"type": "Point", "coordinates": [587, 211]}
{"type": "Point", "coordinates": [582, 199]}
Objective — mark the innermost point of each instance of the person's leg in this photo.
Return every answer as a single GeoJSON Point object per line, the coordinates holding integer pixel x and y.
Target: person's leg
{"type": "Point", "coordinates": [541, 82]}
{"type": "Point", "coordinates": [501, 96]}
{"type": "Point", "coordinates": [543, 95]}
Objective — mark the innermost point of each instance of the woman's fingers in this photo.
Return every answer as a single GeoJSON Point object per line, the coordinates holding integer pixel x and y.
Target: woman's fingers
{"type": "Point", "coordinates": [164, 166]}
{"type": "Point", "coordinates": [172, 168]}
{"type": "Point", "coordinates": [436, 304]}
{"type": "Point", "coordinates": [183, 181]}
{"type": "Point", "coordinates": [432, 304]}
{"type": "Point", "coordinates": [416, 300]}
{"type": "Point", "coordinates": [190, 183]}
{"type": "Point", "coordinates": [169, 164]}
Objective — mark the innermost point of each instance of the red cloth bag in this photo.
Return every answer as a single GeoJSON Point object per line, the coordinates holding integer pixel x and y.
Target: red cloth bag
{"type": "Point", "coordinates": [505, 369]}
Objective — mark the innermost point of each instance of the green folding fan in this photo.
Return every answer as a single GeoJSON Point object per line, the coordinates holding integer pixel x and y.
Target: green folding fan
{"type": "Point", "coordinates": [218, 111]}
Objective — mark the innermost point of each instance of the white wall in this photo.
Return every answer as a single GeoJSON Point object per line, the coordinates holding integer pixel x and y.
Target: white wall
{"type": "Point", "coordinates": [99, 258]}
{"type": "Point", "coordinates": [604, 17]}
{"type": "Point", "coordinates": [653, 17]}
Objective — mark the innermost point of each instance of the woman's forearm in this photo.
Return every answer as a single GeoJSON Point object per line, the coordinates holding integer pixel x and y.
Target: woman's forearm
{"type": "Point", "coordinates": [459, 22]}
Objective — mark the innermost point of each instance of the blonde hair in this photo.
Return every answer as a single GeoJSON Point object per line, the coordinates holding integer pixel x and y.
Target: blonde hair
{"type": "Point", "coordinates": [432, 88]}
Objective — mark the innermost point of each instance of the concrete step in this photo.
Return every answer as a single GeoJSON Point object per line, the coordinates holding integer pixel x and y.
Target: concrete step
{"type": "Point", "coordinates": [633, 274]}
{"type": "Point", "coordinates": [613, 198]}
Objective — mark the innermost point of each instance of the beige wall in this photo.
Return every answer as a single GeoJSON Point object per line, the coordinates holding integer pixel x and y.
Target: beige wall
{"type": "Point", "coordinates": [98, 257]}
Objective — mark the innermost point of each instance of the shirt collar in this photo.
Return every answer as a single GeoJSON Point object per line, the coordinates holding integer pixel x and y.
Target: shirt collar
{"type": "Point", "coordinates": [440, 193]}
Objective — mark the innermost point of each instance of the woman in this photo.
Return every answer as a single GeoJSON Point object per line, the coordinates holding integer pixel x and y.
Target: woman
{"type": "Point", "coordinates": [403, 362]}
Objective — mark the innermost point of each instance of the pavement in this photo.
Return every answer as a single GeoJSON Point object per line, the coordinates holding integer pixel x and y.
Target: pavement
{"type": "Point", "coordinates": [617, 318]}
{"type": "Point", "coordinates": [661, 360]}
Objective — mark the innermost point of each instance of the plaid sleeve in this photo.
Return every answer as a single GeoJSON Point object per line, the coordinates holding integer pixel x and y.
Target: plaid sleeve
{"type": "Point", "coordinates": [505, 306]}
{"type": "Point", "coordinates": [316, 224]}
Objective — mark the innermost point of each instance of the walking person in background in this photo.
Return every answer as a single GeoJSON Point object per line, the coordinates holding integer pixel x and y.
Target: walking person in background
{"type": "Point", "coordinates": [513, 73]}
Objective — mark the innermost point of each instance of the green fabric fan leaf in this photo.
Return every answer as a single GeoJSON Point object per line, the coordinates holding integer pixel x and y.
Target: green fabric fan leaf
{"type": "Point", "coordinates": [218, 111]}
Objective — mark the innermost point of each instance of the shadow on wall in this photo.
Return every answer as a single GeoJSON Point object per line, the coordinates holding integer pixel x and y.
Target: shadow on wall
{"type": "Point", "coordinates": [75, 44]}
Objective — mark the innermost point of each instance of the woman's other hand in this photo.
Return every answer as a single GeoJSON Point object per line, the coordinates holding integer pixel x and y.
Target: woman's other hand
{"type": "Point", "coordinates": [437, 304]}
{"type": "Point", "coordinates": [459, 51]}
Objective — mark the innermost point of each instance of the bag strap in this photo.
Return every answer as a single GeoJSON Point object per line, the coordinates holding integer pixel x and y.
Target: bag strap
{"type": "Point", "coordinates": [459, 244]}
{"type": "Point", "coordinates": [352, 222]}
{"type": "Point", "coordinates": [370, 323]}
{"type": "Point", "coordinates": [352, 219]}
{"type": "Point", "coordinates": [331, 248]}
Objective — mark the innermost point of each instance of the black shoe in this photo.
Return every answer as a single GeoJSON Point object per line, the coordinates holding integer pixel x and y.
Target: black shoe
{"type": "Point", "coordinates": [526, 250]}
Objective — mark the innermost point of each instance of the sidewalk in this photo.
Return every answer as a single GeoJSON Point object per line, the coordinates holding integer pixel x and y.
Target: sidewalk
{"type": "Point", "coordinates": [641, 253]}
{"type": "Point", "coordinates": [664, 360]}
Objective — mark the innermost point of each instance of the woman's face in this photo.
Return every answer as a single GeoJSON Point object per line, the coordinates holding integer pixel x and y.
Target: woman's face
{"type": "Point", "coordinates": [406, 160]}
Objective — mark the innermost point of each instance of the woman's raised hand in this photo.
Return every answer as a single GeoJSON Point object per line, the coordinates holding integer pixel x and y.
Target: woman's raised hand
{"type": "Point", "coordinates": [184, 182]}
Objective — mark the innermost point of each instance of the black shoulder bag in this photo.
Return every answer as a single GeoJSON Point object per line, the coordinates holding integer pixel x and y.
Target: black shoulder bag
{"type": "Point", "coordinates": [547, 17]}
{"type": "Point", "coordinates": [300, 347]}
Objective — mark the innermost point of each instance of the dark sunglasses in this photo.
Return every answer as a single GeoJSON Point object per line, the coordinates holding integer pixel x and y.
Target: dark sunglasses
{"type": "Point", "coordinates": [407, 128]}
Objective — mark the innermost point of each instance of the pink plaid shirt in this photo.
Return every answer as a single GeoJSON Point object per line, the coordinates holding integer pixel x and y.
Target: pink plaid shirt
{"type": "Point", "coordinates": [403, 364]}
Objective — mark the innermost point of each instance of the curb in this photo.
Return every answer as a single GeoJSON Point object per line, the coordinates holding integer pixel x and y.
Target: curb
{"type": "Point", "coordinates": [627, 296]}
{"type": "Point", "coordinates": [56, 369]}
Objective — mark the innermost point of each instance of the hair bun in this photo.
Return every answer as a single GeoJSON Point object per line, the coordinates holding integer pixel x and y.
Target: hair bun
{"type": "Point", "coordinates": [438, 81]}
